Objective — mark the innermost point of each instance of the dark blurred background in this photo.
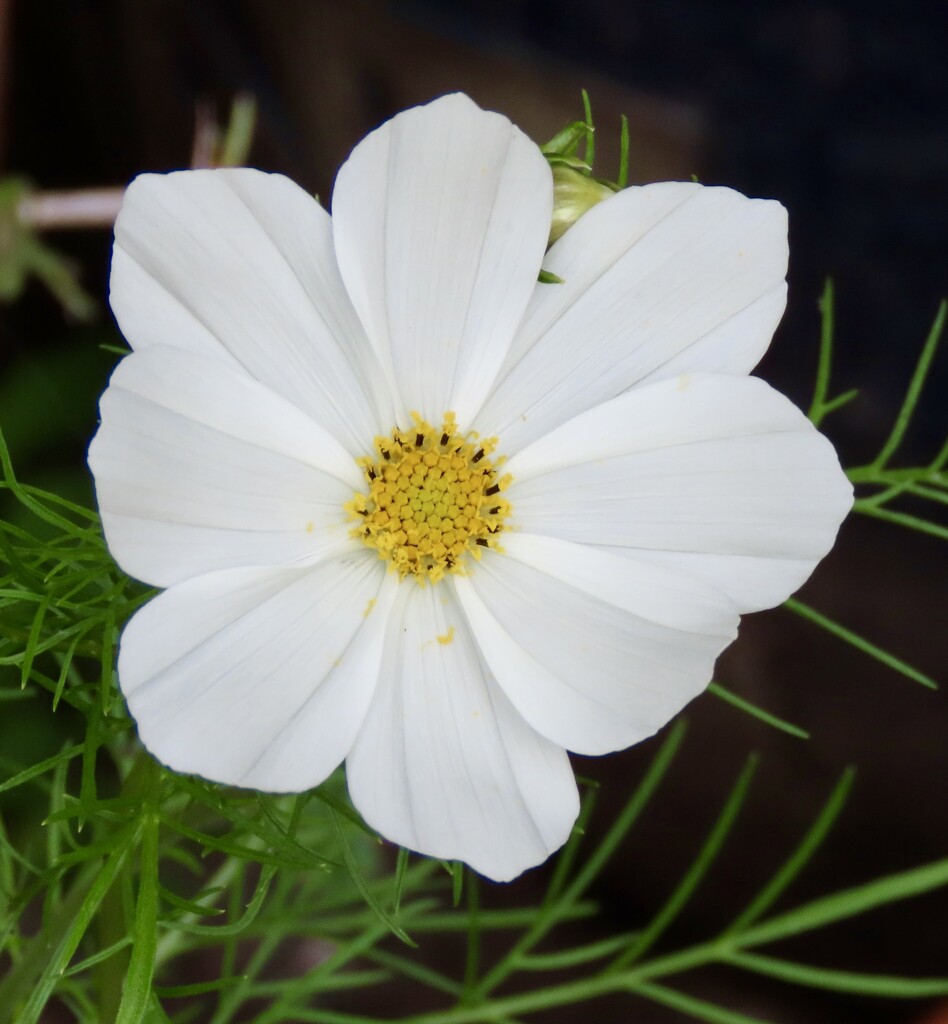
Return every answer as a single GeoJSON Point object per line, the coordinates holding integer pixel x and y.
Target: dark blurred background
{"type": "Point", "coordinates": [839, 111]}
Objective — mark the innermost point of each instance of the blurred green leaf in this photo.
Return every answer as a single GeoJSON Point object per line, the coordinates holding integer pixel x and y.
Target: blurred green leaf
{"type": "Point", "coordinates": [23, 255]}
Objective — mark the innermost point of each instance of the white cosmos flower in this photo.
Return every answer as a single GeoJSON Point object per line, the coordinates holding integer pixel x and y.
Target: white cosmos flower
{"type": "Point", "coordinates": [651, 492]}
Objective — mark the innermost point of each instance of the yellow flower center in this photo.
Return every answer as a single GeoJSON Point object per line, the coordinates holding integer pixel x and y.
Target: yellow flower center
{"type": "Point", "coordinates": [433, 498]}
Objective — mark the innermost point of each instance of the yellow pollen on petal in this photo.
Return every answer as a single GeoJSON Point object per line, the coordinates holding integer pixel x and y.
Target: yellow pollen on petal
{"type": "Point", "coordinates": [433, 498]}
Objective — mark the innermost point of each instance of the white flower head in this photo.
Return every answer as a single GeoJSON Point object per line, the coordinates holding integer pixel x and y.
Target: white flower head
{"type": "Point", "coordinates": [415, 511]}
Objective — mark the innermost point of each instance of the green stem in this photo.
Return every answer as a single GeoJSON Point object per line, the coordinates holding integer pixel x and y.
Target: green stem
{"type": "Point", "coordinates": [870, 474]}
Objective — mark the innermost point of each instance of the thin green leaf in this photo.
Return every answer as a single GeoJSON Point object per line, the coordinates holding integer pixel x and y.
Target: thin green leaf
{"type": "Point", "coordinates": [356, 872]}
{"type": "Point", "coordinates": [97, 958]}
{"type": "Point", "coordinates": [157, 1014]}
{"type": "Point", "coordinates": [197, 988]}
{"type": "Point", "coordinates": [914, 389]}
{"type": "Point", "coordinates": [401, 867]}
{"type": "Point", "coordinates": [695, 873]}
{"type": "Point", "coordinates": [700, 1009]}
{"type": "Point", "coordinates": [929, 493]}
{"type": "Point", "coordinates": [25, 495]}
{"type": "Point", "coordinates": [817, 410]}
{"type": "Point", "coordinates": [186, 859]}
{"type": "Point", "coordinates": [88, 793]}
{"type": "Point", "coordinates": [415, 971]}
{"type": "Point", "coordinates": [590, 153]}
{"type": "Point", "coordinates": [90, 516]}
{"type": "Point", "coordinates": [271, 832]}
{"type": "Point", "coordinates": [57, 274]}
{"type": "Point", "coordinates": [225, 845]}
{"type": "Point", "coordinates": [940, 460]}
{"type": "Point", "coordinates": [40, 768]}
{"type": "Point", "coordinates": [56, 950]}
{"type": "Point", "coordinates": [136, 990]}
{"type": "Point", "coordinates": [567, 856]}
{"type": "Point", "coordinates": [623, 179]}
{"type": "Point", "coordinates": [424, 873]}
{"type": "Point", "coordinates": [456, 870]}
{"type": "Point", "coordinates": [107, 660]}
{"type": "Point", "coordinates": [65, 667]}
{"type": "Point", "coordinates": [882, 497]}
{"type": "Point", "coordinates": [757, 712]}
{"type": "Point", "coordinates": [322, 794]}
{"type": "Point", "coordinates": [313, 983]}
{"type": "Point", "coordinates": [220, 931]}
{"type": "Point", "coordinates": [472, 958]}
{"type": "Point", "coordinates": [502, 920]}
{"type": "Point", "coordinates": [852, 982]}
{"type": "Point", "coordinates": [23, 572]}
{"type": "Point", "coordinates": [82, 853]}
{"type": "Point", "coordinates": [193, 906]}
{"type": "Point", "coordinates": [629, 814]}
{"type": "Point", "coordinates": [859, 642]}
{"type": "Point", "coordinates": [839, 401]}
{"type": "Point", "coordinates": [565, 959]}
{"type": "Point", "coordinates": [909, 522]}
{"type": "Point", "coordinates": [849, 903]}
{"type": "Point", "coordinates": [118, 808]}
{"type": "Point", "coordinates": [800, 857]}
{"type": "Point", "coordinates": [12, 696]}
{"type": "Point", "coordinates": [32, 640]}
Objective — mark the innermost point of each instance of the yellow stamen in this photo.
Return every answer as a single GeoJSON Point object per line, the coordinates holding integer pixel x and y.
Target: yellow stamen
{"type": "Point", "coordinates": [433, 498]}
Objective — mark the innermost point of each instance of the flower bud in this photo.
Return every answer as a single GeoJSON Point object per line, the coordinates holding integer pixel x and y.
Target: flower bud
{"type": "Point", "coordinates": [573, 194]}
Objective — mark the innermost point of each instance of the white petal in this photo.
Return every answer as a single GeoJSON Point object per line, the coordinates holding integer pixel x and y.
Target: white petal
{"type": "Point", "coordinates": [752, 582]}
{"type": "Point", "coordinates": [444, 765]}
{"type": "Point", "coordinates": [258, 678]}
{"type": "Point", "coordinates": [239, 264]}
{"type": "Point", "coordinates": [704, 465]}
{"type": "Point", "coordinates": [440, 220]}
{"type": "Point", "coordinates": [658, 279]}
{"type": "Point", "coordinates": [596, 651]}
{"type": "Point", "coordinates": [199, 467]}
